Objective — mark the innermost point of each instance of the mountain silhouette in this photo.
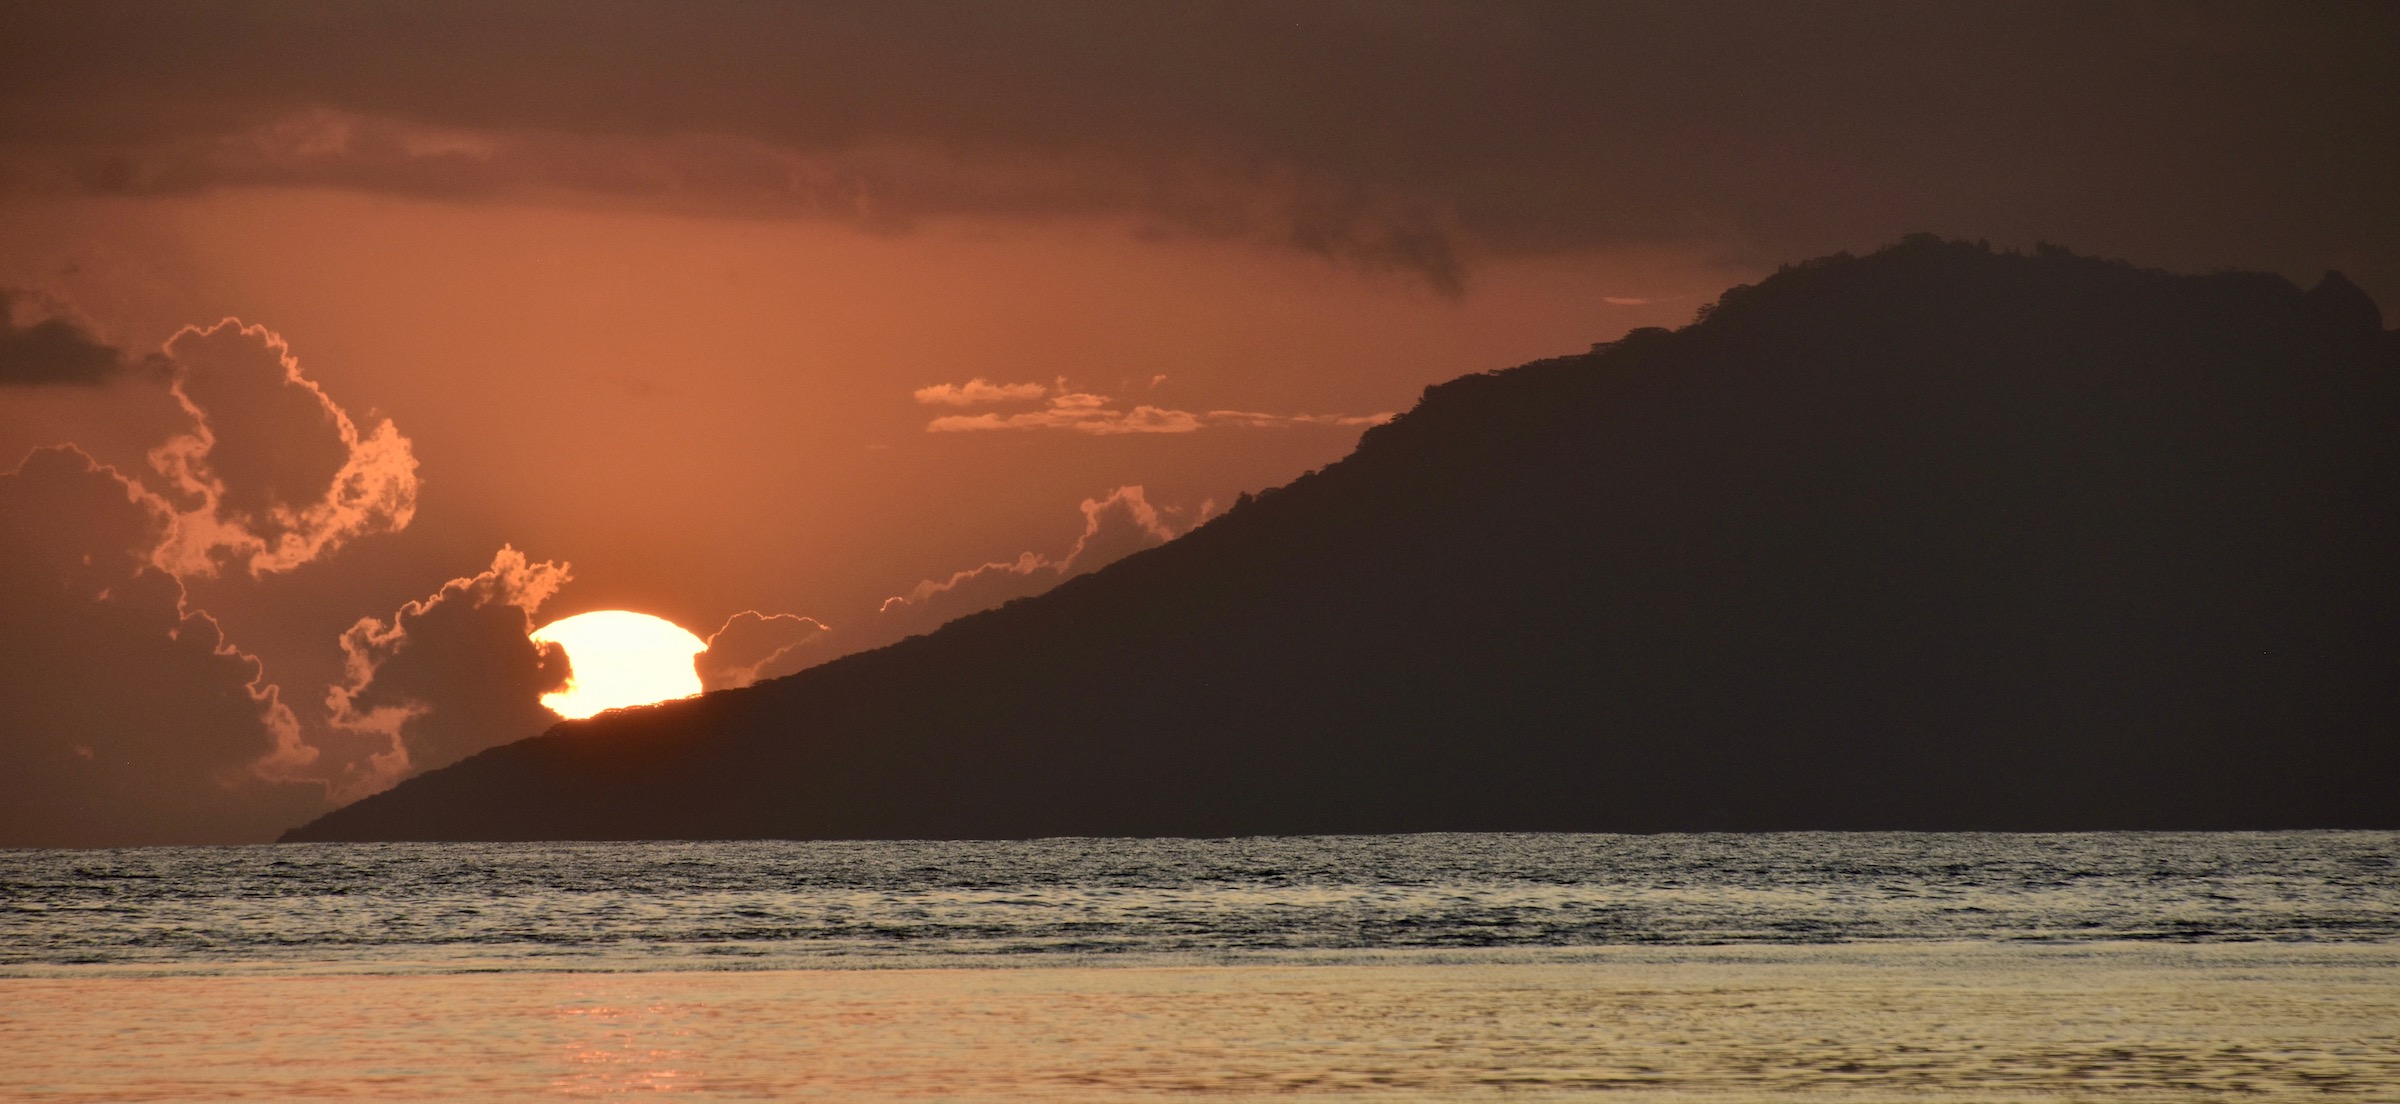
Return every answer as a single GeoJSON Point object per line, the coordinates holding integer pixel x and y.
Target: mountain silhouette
{"type": "Point", "coordinates": [1934, 538]}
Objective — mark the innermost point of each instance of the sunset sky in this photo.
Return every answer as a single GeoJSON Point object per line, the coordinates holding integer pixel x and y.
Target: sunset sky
{"type": "Point", "coordinates": [809, 326]}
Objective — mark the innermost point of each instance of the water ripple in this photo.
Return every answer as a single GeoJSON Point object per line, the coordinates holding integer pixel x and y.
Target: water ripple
{"type": "Point", "coordinates": [767, 903]}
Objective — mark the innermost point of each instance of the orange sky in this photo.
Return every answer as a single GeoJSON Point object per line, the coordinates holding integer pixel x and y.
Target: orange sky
{"type": "Point", "coordinates": [707, 414]}
{"type": "Point", "coordinates": [701, 416]}
{"type": "Point", "coordinates": [647, 292]}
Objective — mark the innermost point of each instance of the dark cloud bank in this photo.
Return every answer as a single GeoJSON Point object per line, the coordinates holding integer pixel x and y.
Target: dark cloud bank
{"type": "Point", "coordinates": [1412, 136]}
{"type": "Point", "coordinates": [1938, 538]}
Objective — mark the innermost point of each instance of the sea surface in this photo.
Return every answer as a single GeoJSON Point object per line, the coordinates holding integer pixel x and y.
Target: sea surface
{"type": "Point", "coordinates": [1815, 966]}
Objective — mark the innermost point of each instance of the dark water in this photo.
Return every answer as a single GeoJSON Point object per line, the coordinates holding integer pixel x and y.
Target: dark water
{"type": "Point", "coordinates": [780, 904]}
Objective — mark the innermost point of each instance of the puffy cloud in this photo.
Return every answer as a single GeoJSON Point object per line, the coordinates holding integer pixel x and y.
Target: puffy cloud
{"type": "Point", "coordinates": [129, 718]}
{"type": "Point", "coordinates": [446, 676]}
{"type": "Point", "coordinates": [1116, 526]}
{"type": "Point", "coordinates": [273, 473]}
{"type": "Point", "coordinates": [752, 646]}
{"type": "Point", "coordinates": [1098, 415]}
{"type": "Point", "coordinates": [978, 391]}
{"type": "Point", "coordinates": [54, 349]}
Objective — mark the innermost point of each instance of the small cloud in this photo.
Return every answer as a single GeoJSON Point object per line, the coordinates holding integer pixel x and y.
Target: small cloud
{"type": "Point", "coordinates": [55, 350]}
{"type": "Point", "coordinates": [1114, 526]}
{"type": "Point", "coordinates": [978, 392]}
{"type": "Point", "coordinates": [968, 423]}
{"type": "Point", "coordinates": [1255, 420]}
{"type": "Point", "coordinates": [1099, 416]}
{"type": "Point", "coordinates": [753, 646]}
{"type": "Point", "coordinates": [1080, 411]}
{"type": "Point", "coordinates": [1626, 301]}
{"type": "Point", "coordinates": [1146, 419]}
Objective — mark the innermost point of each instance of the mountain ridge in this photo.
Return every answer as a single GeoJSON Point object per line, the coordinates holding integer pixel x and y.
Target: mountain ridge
{"type": "Point", "coordinates": [1932, 538]}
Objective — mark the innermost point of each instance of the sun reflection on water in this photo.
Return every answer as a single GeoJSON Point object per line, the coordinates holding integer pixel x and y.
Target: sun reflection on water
{"type": "Point", "coordinates": [608, 1048]}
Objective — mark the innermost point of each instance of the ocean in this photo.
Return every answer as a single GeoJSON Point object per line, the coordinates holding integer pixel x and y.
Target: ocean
{"type": "Point", "coordinates": [1812, 966]}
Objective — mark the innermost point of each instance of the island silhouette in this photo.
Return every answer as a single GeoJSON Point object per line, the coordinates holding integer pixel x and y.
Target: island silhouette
{"type": "Point", "coordinates": [1936, 538]}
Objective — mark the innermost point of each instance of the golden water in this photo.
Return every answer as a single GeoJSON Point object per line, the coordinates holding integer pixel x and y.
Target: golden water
{"type": "Point", "coordinates": [1920, 1021]}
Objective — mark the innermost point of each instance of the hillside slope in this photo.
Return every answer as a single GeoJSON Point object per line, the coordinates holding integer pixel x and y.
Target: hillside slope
{"type": "Point", "coordinates": [1935, 538]}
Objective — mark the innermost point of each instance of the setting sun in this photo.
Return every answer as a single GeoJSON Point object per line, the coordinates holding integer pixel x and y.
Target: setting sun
{"type": "Point", "coordinates": [621, 658]}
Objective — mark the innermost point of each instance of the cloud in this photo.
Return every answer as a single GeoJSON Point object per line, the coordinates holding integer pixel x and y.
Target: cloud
{"type": "Point", "coordinates": [978, 391]}
{"type": "Point", "coordinates": [446, 676]}
{"type": "Point", "coordinates": [133, 719]}
{"type": "Point", "coordinates": [273, 473]}
{"type": "Point", "coordinates": [1098, 415]}
{"type": "Point", "coordinates": [130, 715]}
{"type": "Point", "coordinates": [1080, 413]}
{"type": "Point", "coordinates": [1256, 420]}
{"type": "Point", "coordinates": [1411, 137]}
{"type": "Point", "coordinates": [54, 350]}
{"type": "Point", "coordinates": [129, 718]}
{"type": "Point", "coordinates": [1114, 526]}
{"type": "Point", "coordinates": [753, 646]}
{"type": "Point", "coordinates": [888, 184]}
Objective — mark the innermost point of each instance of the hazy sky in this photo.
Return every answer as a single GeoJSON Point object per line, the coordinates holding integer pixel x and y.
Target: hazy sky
{"type": "Point", "coordinates": [701, 309]}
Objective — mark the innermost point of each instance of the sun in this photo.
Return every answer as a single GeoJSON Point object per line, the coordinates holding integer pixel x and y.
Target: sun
{"type": "Point", "coordinates": [620, 658]}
